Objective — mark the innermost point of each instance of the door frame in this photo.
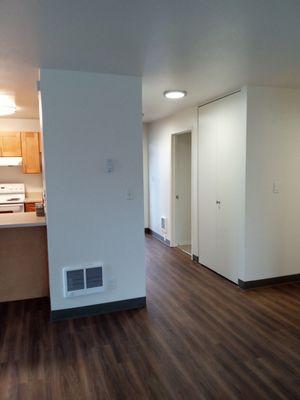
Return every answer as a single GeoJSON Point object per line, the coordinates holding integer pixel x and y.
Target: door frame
{"type": "Point", "coordinates": [172, 200]}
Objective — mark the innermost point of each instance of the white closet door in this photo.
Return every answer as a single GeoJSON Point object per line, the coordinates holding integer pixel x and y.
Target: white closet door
{"type": "Point", "coordinates": [207, 180]}
{"type": "Point", "coordinates": [231, 155]}
{"type": "Point", "coordinates": [221, 174]}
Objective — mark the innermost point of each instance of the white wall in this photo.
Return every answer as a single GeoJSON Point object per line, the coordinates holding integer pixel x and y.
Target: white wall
{"type": "Point", "coordinates": [272, 235]}
{"type": "Point", "coordinates": [159, 152]}
{"type": "Point", "coordinates": [88, 118]}
{"type": "Point", "coordinates": [33, 182]}
{"type": "Point", "coordinates": [145, 176]}
{"type": "Point", "coordinates": [273, 155]}
{"type": "Point", "coordinates": [19, 124]}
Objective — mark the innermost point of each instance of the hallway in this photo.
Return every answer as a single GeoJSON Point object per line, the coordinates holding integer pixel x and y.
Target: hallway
{"type": "Point", "coordinates": [200, 337]}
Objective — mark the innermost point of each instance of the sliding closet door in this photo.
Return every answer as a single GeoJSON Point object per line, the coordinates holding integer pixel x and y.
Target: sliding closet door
{"type": "Point", "coordinates": [221, 185]}
{"type": "Point", "coordinates": [231, 159]}
{"type": "Point", "coordinates": [207, 186]}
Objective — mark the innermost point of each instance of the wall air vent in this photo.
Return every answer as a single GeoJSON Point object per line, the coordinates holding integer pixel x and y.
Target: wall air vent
{"type": "Point", "coordinates": [163, 224]}
{"type": "Point", "coordinates": [80, 281]}
{"type": "Point", "coordinates": [75, 280]}
{"type": "Point", "coordinates": [94, 277]}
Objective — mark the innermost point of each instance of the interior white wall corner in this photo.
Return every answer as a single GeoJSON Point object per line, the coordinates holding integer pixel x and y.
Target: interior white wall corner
{"type": "Point", "coordinates": [273, 142]}
{"type": "Point", "coordinates": [87, 119]}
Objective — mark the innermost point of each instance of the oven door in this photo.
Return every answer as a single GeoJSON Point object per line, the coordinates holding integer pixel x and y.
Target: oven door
{"type": "Point", "coordinates": [11, 208]}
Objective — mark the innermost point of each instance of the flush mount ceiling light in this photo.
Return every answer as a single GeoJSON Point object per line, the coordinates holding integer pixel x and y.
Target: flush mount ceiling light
{"type": "Point", "coordinates": [7, 105]}
{"type": "Point", "coordinates": [175, 94]}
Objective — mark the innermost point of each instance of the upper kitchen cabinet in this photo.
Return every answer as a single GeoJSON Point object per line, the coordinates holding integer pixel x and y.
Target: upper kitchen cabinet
{"type": "Point", "coordinates": [31, 152]}
{"type": "Point", "coordinates": [10, 144]}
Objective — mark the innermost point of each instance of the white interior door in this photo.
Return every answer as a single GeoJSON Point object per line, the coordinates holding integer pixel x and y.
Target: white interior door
{"type": "Point", "coordinates": [231, 159]}
{"type": "Point", "coordinates": [222, 154]}
{"type": "Point", "coordinates": [182, 188]}
{"type": "Point", "coordinates": [207, 190]}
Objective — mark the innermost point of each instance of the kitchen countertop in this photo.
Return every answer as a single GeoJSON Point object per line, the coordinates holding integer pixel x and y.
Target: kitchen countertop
{"type": "Point", "coordinates": [33, 197]}
{"type": "Point", "coordinates": [21, 220]}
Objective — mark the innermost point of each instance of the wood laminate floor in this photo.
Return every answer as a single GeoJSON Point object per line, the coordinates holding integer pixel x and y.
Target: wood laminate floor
{"type": "Point", "coordinates": [187, 248]}
{"type": "Point", "coordinates": [200, 337]}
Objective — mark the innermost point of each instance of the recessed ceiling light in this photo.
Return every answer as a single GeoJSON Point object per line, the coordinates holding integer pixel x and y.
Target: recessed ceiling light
{"type": "Point", "coordinates": [175, 94]}
{"type": "Point", "coordinates": [7, 105]}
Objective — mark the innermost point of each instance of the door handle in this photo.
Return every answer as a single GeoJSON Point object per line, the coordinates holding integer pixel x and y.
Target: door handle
{"type": "Point", "coordinates": [177, 197]}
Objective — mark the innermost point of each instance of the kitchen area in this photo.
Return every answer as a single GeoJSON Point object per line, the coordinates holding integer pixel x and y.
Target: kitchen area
{"type": "Point", "coordinates": [23, 235]}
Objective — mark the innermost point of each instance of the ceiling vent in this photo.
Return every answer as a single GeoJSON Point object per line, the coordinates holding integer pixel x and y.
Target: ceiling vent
{"type": "Point", "coordinates": [80, 281]}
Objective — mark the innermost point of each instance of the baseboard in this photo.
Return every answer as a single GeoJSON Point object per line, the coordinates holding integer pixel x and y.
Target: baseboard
{"type": "Point", "coordinates": [269, 281]}
{"type": "Point", "coordinates": [195, 258]}
{"type": "Point", "coordinates": [98, 309]}
{"type": "Point", "coordinates": [158, 236]}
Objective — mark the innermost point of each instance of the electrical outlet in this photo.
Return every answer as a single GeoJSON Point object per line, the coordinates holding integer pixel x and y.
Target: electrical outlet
{"type": "Point", "coordinates": [112, 283]}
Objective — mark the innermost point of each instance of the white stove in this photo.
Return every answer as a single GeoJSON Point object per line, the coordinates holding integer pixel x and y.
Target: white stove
{"type": "Point", "coordinates": [12, 197]}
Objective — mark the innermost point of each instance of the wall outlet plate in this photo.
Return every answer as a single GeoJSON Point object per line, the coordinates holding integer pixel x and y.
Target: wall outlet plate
{"type": "Point", "coordinates": [112, 283]}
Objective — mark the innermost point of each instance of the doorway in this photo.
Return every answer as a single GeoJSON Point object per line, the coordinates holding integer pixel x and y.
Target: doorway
{"type": "Point", "coordinates": [181, 193]}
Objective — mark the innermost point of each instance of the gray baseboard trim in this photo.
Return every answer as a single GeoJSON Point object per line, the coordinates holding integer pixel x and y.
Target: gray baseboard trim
{"type": "Point", "coordinates": [268, 282]}
{"type": "Point", "coordinates": [98, 309]}
{"type": "Point", "coordinates": [158, 237]}
{"type": "Point", "coordinates": [195, 258]}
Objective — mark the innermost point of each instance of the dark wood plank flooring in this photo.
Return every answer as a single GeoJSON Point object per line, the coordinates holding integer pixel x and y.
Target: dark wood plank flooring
{"type": "Point", "coordinates": [201, 337]}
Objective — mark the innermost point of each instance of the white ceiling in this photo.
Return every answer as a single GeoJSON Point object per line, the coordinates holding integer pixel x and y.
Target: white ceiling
{"type": "Point", "coordinates": [206, 47]}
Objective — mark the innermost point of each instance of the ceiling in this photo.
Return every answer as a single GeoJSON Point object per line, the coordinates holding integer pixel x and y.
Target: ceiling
{"type": "Point", "coordinates": [207, 47]}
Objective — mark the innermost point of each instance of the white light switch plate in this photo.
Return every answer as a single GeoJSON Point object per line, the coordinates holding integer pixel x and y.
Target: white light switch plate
{"type": "Point", "coordinates": [129, 195]}
{"type": "Point", "coordinates": [275, 187]}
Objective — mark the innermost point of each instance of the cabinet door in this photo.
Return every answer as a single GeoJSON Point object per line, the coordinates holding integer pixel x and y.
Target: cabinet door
{"type": "Point", "coordinates": [31, 152]}
{"type": "Point", "coordinates": [29, 207]}
{"type": "Point", "coordinates": [10, 143]}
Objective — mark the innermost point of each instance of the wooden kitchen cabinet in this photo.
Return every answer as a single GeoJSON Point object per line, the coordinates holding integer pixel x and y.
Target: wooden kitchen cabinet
{"type": "Point", "coordinates": [29, 207]}
{"type": "Point", "coordinates": [24, 273]}
{"type": "Point", "coordinates": [31, 152]}
{"type": "Point", "coordinates": [10, 144]}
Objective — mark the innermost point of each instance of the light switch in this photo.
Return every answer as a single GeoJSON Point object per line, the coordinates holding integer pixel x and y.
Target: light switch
{"type": "Point", "coordinates": [129, 195]}
{"type": "Point", "coordinates": [275, 187]}
{"type": "Point", "coordinates": [109, 166]}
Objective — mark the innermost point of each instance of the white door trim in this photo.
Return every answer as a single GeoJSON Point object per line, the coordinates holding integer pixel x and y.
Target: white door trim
{"type": "Point", "coordinates": [172, 197]}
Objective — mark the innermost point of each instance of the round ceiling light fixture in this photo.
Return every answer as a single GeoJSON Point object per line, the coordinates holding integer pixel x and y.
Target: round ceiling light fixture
{"type": "Point", "coordinates": [175, 94]}
{"type": "Point", "coordinates": [7, 105]}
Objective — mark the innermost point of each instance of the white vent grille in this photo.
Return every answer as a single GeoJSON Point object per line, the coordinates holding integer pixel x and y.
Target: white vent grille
{"type": "Point", "coordinates": [163, 224]}
{"type": "Point", "coordinates": [75, 280]}
{"type": "Point", "coordinates": [81, 281]}
{"type": "Point", "coordinates": [94, 277]}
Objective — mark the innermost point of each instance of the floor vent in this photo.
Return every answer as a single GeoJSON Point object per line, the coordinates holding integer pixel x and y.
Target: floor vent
{"type": "Point", "coordinates": [80, 281]}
